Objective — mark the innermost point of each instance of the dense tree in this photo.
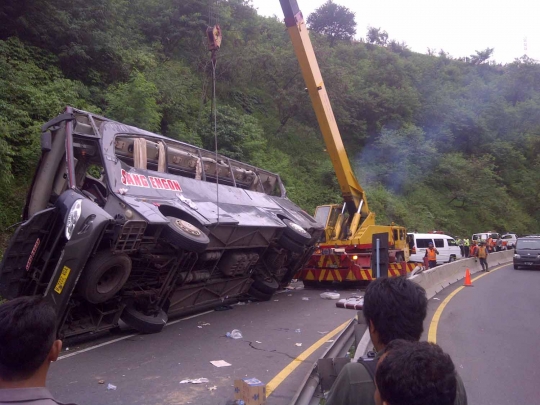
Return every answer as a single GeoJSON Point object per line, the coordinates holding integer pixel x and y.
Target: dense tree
{"type": "Point", "coordinates": [334, 21]}
{"type": "Point", "coordinates": [437, 142]}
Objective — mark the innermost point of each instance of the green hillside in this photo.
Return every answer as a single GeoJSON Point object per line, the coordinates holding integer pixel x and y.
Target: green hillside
{"type": "Point", "coordinates": [437, 142]}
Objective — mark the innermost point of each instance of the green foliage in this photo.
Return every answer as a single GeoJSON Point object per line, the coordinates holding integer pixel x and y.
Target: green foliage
{"type": "Point", "coordinates": [334, 21]}
{"type": "Point", "coordinates": [437, 142]}
{"type": "Point", "coordinates": [134, 103]}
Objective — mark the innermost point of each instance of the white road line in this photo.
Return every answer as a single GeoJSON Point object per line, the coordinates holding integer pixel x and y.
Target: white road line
{"type": "Point", "coordinates": [65, 356]}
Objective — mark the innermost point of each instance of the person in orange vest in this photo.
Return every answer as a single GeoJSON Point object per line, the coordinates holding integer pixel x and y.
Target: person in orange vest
{"type": "Point", "coordinates": [474, 248]}
{"type": "Point", "coordinates": [431, 254]}
{"type": "Point", "coordinates": [490, 244]}
{"type": "Point", "coordinates": [482, 254]}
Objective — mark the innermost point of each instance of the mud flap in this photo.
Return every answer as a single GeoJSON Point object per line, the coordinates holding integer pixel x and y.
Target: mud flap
{"type": "Point", "coordinates": [25, 249]}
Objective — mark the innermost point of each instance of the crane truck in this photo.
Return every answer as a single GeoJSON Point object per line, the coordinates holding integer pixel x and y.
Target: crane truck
{"type": "Point", "coordinates": [345, 250]}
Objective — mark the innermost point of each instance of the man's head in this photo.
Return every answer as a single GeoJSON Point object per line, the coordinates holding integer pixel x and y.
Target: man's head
{"type": "Point", "coordinates": [430, 244]}
{"type": "Point", "coordinates": [415, 373]}
{"type": "Point", "coordinates": [394, 308]}
{"type": "Point", "coordinates": [27, 338]}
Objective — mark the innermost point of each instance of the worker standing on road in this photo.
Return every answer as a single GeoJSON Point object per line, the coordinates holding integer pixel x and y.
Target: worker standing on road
{"type": "Point", "coordinates": [489, 244]}
{"type": "Point", "coordinates": [499, 244]}
{"type": "Point", "coordinates": [482, 254]}
{"type": "Point", "coordinates": [431, 254]}
{"type": "Point", "coordinates": [466, 245]}
{"type": "Point", "coordinates": [461, 245]}
{"type": "Point", "coordinates": [473, 249]}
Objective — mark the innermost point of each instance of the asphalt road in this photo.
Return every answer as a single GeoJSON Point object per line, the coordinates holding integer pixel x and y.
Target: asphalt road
{"type": "Point", "coordinates": [147, 369]}
{"type": "Point", "coordinates": [492, 332]}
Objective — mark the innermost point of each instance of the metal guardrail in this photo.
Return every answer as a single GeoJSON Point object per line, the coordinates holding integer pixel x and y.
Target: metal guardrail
{"type": "Point", "coordinates": [306, 394]}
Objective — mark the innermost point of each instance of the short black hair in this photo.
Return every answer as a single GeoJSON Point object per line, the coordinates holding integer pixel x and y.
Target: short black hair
{"type": "Point", "coordinates": [397, 307]}
{"type": "Point", "coordinates": [416, 373]}
{"type": "Point", "coordinates": [27, 333]}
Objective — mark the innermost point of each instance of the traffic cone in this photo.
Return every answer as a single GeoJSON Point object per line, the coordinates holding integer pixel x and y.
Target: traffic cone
{"type": "Point", "coordinates": [467, 279]}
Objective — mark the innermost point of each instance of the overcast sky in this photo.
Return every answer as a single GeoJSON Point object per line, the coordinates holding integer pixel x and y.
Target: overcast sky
{"type": "Point", "coordinates": [459, 27]}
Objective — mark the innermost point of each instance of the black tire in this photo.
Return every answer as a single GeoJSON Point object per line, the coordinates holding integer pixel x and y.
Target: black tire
{"type": "Point", "coordinates": [144, 323]}
{"type": "Point", "coordinates": [291, 245]}
{"type": "Point", "coordinates": [452, 259]}
{"type": "Point", "coordinates": [258, 295]}
{"type": "Point", "coordinates": [269, 286]}
{"type": "Point", "coordinates": [104, 275]}
{"type": "Point", "coordinates": [296, 233]}
{"type": "Point", "coordinates": [516, 267]}
{"type": "Point", "coordinates": [185, 235]}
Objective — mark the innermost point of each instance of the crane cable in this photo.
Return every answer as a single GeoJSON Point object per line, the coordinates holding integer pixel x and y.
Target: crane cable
{"type": "Point", "coordinates": [214, 36]}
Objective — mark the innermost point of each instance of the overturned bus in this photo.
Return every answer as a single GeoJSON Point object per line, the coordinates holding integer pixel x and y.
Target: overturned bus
{"type": "Point", "coordinates": [124, 224]}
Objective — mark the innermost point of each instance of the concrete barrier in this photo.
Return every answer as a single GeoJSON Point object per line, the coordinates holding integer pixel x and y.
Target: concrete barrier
{"type": "Point", "coordinates": [434, 280]}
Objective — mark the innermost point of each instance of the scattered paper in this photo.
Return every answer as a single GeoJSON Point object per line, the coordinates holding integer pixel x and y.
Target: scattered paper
{"type": "Point", "coordinates": [212, 388]}
{"type": "Point", "coordinates": [438, 299]}
{"type": "Point", "coordinates": [324, 333]}
{"type": "Point", "coordinates": [101, 382]}
{"type": "Point", "coordinates": [200, 327]}
{"type": "Point", "coordinates": [298, 344]}
{"type": "Point", "coordinates": [220, 363]}
{"type": "Point", "coordinates": [205, 324]}
{"type": "Point", "coordinates": [276, 300]}
{"type": "Point", "coordinates": [111, 387]}
{"type": "Point", "coordinates": [305, 299]}
{"type": "Point", "coordinates": [289, 295]}
{"type": "Point", "coordinates": [195, 381]}
{"type": "Point", "coordinates": [258, 342]}
{"type": "Point", "coordinates": [330, 341]}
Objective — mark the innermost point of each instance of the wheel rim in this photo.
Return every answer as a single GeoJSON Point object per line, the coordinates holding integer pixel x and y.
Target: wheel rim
{"type": "Point", "coordinates": [109, 280]}
{"type": "Point", "coordinates": [187, 227]}
{"type": "Point", "coordinates": [298, 228]}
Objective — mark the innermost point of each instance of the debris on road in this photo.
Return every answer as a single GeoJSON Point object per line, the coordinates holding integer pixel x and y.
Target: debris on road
{"type": "Point", "coordinates": [324, 333]}
{"type": "Point", "coordinates": [240, 303]}
{"type": "Point", "coordinates": [258, 342]}
{"type": "Point", "coordinates": [298, 330]}
{"type": "Point", "coordinates": [438, 299]}
{"type": "Point", "coordinates": [195, 381]}
{"type": "Point", "coordinates": [220, 363]}
{"type": "Point", "coordinates": [351, 303]}
{"type": "Point", "coordinates": [235, 334]}
{"type": "Point", "coordinates": [298, 344]}
{"type": "Point", "coordinates": [111, 387]}
{"type": "Point", "coordinates": [330, 341]}
{"type": "Point", "coordinates": [212, 388]}
{"type": "Point", "coordinates": [276, 300]}
{"type": "Point", "coordinates": [101, 382]}
{"type": "Point", "coordinates": [305, 299]}
{"type": "Point", "coordinates": [330, 296]}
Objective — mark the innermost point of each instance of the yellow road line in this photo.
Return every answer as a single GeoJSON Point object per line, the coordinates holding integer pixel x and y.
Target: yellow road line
{"type": "Point", "coordinates": [432, 334]}
{"type": "Point", "coordinates": [283, 374]}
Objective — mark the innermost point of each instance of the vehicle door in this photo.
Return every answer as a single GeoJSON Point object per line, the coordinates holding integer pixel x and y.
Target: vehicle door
{"type": "Point", "coordinates": [453, 249]}
{"type": "Point", "coordinates": [421, 247]}
{"type": "Point", "coordinates": [443, 250]}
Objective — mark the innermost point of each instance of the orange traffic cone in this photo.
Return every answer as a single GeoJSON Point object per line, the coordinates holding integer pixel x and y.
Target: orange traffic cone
{"type": "Point", "coordinates": [467, 279]}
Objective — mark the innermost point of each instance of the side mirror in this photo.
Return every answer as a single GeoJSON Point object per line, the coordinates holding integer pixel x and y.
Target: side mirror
{"type": "Point", "coordinates": [46, 141]}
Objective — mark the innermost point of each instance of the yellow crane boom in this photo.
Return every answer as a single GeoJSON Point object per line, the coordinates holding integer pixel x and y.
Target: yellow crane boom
{"type": "Point", "coordinates": [352, 192]}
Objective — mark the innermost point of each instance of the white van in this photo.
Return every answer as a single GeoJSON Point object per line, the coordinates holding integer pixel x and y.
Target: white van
{"type": "Point", "coordinates": [484, 236]}
{"type": "Point", "coordinates": [446, 245]}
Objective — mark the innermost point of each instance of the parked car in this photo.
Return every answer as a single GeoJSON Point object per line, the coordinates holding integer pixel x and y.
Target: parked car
{"type": "Point", "coordinates": [121, 223]}
{"type": "Point", "coordinates": [527, 252]}
{"type": "Point", "coordinates": [448, 249]}
{"type": "Point", "coordinates": [509, 240]}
